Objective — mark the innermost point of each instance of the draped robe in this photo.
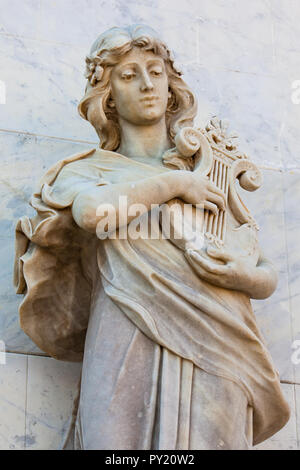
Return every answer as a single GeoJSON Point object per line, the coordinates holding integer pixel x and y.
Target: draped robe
{"type": "Point", "coordinates": [170, 361]}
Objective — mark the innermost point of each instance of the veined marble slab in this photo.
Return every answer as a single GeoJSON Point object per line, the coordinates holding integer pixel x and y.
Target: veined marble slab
{"type": "Point", "coordinates": [253, 105]}
{"type": "Point", "coordinates": [13, 377]}
{"type": "Point", "coordinates": [44, 84]}
{"type": "Point", "coordinates": [52, 387]}
{"type": "Point", "coordinates": [36, 399]}
{"type": "Point", "coordinates": [285, 14]}
{"type": "Point", "coordinates": [289, 129]}
{"type": "Point", "coordinates": [20, 18]}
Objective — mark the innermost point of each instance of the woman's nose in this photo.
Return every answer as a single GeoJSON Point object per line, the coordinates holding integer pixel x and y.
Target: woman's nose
{"type": "Point", "coordinates": [146, 83]}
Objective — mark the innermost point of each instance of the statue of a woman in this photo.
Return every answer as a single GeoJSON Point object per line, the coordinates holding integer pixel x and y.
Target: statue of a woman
{"type": "Point", "coordinates": [173, 358]}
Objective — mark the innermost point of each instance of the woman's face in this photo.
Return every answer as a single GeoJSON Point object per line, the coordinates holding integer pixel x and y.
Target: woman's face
{"type": "Point", "coordinates": [139, 85]}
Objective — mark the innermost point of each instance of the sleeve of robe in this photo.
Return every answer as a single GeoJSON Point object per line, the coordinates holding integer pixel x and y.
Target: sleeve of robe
{"type": "Point", "coordinates": [49, 271]}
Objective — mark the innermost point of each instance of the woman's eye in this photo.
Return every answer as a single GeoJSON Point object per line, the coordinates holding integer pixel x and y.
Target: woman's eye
{"type": "Point", "coordinates": [127, 76]}
{"type": "Point", "coordinates": [156, 72]}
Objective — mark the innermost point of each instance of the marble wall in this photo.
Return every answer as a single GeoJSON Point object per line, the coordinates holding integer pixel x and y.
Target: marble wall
{"type": "Point", "coordinates": [241, 58]}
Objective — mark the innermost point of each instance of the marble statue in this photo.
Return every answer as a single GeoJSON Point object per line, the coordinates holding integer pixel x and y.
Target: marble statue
{"type": "Point", "coordinates": [172, 355]}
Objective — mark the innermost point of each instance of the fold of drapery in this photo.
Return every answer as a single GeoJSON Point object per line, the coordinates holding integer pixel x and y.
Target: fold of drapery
{"type": "Point", "coordinates": [50, 252]}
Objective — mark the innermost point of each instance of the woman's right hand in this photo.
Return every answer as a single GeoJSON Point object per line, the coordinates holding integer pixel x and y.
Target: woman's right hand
{"type": "Point", "coordinates": [195, 188]}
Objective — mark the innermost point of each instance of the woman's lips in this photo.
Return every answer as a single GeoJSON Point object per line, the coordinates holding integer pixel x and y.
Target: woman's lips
{"type": "Point", "coordinates": [150, 98]}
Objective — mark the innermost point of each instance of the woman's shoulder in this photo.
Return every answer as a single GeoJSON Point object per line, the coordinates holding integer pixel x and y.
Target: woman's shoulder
{"type": "Point", "coordinates": [64, 165]}
{"type": "Point", "coordinates": [85, 164]}
{"type": "Point", "coordinates": [68, 177]}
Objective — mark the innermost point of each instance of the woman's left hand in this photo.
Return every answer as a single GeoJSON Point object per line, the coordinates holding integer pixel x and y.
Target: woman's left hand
{"type": "Point", "coordinates": [236, 273]}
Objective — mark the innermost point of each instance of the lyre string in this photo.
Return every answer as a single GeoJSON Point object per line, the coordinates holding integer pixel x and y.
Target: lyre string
{"type": "Point", "coordinates": [215, 225]}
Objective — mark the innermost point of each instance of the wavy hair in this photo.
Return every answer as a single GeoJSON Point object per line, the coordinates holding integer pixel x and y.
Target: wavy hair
{"type": "Point", "coordinates": [105, 53]}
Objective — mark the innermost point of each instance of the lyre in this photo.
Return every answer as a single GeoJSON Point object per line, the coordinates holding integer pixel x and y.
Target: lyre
{"type": "Point", "coordinates": [216, 156]}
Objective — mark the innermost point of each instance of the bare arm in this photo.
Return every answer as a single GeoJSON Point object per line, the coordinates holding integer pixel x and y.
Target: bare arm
{"type": "Point", "coordinates": [191, 187]}
{"type": "Point", "coordinates": [263, 282]}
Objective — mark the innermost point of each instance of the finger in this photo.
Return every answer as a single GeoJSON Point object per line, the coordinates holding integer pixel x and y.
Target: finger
{"type": "Point", "coordinates": [219, 254]}
{"type": "Point", "coordinates": [205, 263]}
{"type": "Point", "coordinates": [211, 207]}
{"type": "Point", "coordinates": [204, 274]}
{"type": "Point", "coordinates": [212, 187]}
{"type": "Point", "coordinates": [216, 199]}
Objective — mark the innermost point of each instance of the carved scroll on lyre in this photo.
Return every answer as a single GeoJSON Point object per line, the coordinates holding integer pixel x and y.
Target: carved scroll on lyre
{"type": "Point", "coordinates": [250, 178]}
{"type": "Point", "coordinates": [216, 157]}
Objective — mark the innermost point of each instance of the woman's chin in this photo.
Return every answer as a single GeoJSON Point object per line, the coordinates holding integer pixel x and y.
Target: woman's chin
{"type": "Point", "coordinates": [150, 116]}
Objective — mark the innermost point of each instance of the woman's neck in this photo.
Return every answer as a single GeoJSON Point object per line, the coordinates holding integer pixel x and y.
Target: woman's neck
{"type": "Point", "coordinates": [144, 143]}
